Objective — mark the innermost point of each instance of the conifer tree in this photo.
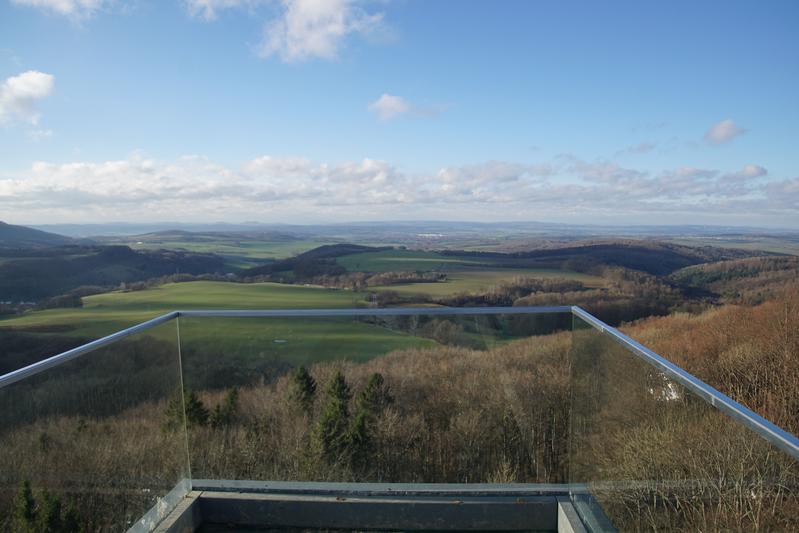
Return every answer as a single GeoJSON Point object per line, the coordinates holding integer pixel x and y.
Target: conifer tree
{"type": "Point", "coordinates": [224, 413]}
{"type": "Point", "coordinates": [303, 388]}
{"type": "Point", "coordinates": [48, 519]}
{"type": "Point", "coordinates": [375, 397]}
{"type": "Point", "coordinates": [360, 442]}
{"type": "Point", "coordinates": [332, 430]}
{"type": "Point", "coordinates": [24, 519]}
{"type": "Point", "coordinates": [371, 401]}
{"type": "Point", "coordinates": [195, 414]}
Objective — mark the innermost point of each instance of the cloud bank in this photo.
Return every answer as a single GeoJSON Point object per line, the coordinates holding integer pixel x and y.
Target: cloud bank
{"type": "Point", "coordinates": [297, 189]}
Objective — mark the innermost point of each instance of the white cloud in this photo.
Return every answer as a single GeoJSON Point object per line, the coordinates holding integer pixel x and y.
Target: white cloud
{"type": "Point", "coordinates": [20, 94]}
{"type": "Point", "coordinates": [748, 172]}
{"type": "Point", "coordinates": [723, 131]}
{"type": "Point", "coordinates": [315, 28]}
{"type": "Point", "coordinates": [209, 9]}
{"type": "Point", "coordinates": [389, 106]}
{"type": "Point", "coordinates": [77, 9]}
{"type": "Point", "coordinates": [297, 189]}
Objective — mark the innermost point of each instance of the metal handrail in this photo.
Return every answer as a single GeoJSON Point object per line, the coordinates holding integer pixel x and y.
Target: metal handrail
{"type": "Point", "coordinates": [50, 362]}
{"type": "Point", "coordinates": [772, 433]}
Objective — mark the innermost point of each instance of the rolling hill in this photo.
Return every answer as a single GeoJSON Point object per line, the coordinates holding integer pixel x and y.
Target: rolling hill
{"type": "Point", "coordinates": [33, 276]}
{"type": "Point", "coordinates": [12, 236]}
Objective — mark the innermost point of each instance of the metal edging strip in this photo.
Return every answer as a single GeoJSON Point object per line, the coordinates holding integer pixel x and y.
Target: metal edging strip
{"type": "Point", "coordinates": [50, 362]}
{"type": "Point", "coordinates": [390, 311]}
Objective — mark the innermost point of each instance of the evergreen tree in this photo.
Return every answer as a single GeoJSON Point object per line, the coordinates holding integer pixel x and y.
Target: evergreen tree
{"type": "Point", "coordinates": [195, 414]}
{"type": "Point", "coordinates": [24, 519]}
{"type": "Point", "coordinates": [375, 397]}
{"type": "Point", "coordinates": [360, 442]}
{"type": "Point", "coordinates": [224, 413]}
{"type": "Point", "coordinates": [331, 432]}
{"type": "Point", "coordinates": [303, 388]}
{"type": "Point", "coordinates": [48, 516]}
{"type": "Point", "coordinates": [371, 401]}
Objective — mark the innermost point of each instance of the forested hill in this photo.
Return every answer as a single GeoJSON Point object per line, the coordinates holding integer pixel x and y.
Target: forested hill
{"type": "Point", "coordinates": [320, 260]}
{"type": "Point", "coordinates": [43, 274]}
{"type": "Point", "coordinates": [12, 236]}
{"type": "Point", "coordinates": [655, 258]}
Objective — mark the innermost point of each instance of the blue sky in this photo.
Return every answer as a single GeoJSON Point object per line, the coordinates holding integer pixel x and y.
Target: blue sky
{"type": "Point", "coordinates": [311, 111]}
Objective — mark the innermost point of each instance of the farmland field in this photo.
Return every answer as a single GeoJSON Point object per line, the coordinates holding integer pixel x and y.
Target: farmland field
{"type": "Point", "coordinates": [293, 340]}
{"type": "Point", "coordinates": [778, 245]}
{"type": "Point", "coordinates": [248, 342]}
{"type": "Point", "coordinates": [105, 313]}
{"type": "Point", "coordinates": [253, 342]}
{"type": "Point", "coordinates": [464, 274]}
{"type": "Point", "coordinates": [476, 280]}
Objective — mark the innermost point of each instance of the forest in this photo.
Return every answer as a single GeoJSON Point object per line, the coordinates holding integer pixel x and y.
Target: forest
{"type": "Point", "coordinates": [554, 407]}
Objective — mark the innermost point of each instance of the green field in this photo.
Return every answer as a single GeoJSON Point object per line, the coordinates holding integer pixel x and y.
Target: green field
{"type": "Point", "coordinates": [765, 244]}
{"type": "Point", "coordinates": [297, 340]}
{"type": "Point", "coordinates": [102, 314]}
{"type": "Point", "coordinates": [247, 341]}
{"type": "Point", "coordinates": [478, 280]}
{"type": "Point", "coordinates": [464, 274]}
{"type": "Point", "coordinates": [238, 253]}
{"type": "Point", "coordinates": [288, 340]}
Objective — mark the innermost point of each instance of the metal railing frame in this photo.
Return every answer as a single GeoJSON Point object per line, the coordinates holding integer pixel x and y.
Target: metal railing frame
{"type": "Point", "coordinates": [756, 423]}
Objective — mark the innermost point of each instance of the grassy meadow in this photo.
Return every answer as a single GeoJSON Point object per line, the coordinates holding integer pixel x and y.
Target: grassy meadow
{"type": "Point", "coordinates": [255, 342]}
{"type": "Point", "coordinates": [464, 274]}
{"type": "Point", "coordinates": [479, 280]}
{"type": "Point", "coordinates": [208, 342]}
{"type": "Point", "coordinates": [105, 313]}
{"type": "Point", "coordinates": [777, 245]}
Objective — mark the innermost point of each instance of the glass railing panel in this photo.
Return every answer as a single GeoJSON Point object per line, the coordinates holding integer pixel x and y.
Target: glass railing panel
{"type": "Point", "coordinates": [97, 442]}
{"type": "Point", "coordinates": [411, 398]}
{"type": "Point", "coordinates": [653, 455]}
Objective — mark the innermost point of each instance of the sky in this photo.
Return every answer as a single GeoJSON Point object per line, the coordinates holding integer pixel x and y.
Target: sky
{"type": "Point", "coordinates": [314, 111]}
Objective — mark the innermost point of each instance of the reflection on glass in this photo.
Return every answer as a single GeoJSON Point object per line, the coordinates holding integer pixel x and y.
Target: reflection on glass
{"type": "Point", "coordinates": [656, 457]}
{"type": "Point", "coordinates": [103, 439]}
{"type": "Point", "coordinates": [417, 398]}
{"type": "Point", "coordinates": [94, 443]}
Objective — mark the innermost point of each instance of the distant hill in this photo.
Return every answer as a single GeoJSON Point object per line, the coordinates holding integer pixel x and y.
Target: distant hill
{"type": "Point", "coordinates": [750, 280]}
{"type": "Point", "coordinates": [314, 262]}
{"type": "Point", "coordinates": [56, 271]}
{"type": "Point", "coordinates": [655, 258]}
{"type": "Point", "coordinates": [177, 235]}
{"type": "Point", "coordinates": [12, 236]}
